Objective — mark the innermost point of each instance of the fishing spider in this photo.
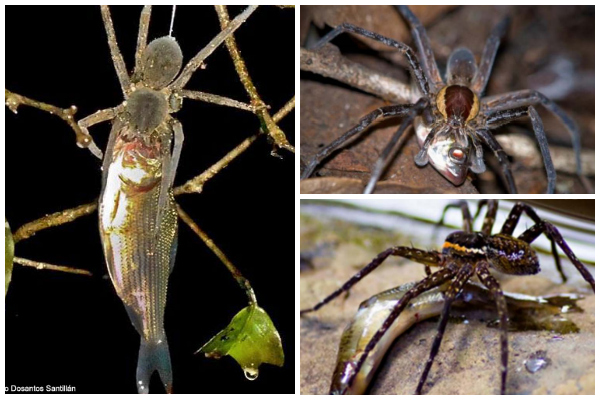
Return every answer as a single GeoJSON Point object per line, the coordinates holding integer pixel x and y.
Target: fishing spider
{"type": "Point", "coordinates": [451, 118]}
{"type": "Point", "coordinates": [464, 254]}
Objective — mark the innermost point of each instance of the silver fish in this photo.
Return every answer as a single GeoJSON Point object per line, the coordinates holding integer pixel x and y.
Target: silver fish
{"type": "Point", "coordinates": [138, 227]}
{"type": "Point", "coordinates": [538, 313]}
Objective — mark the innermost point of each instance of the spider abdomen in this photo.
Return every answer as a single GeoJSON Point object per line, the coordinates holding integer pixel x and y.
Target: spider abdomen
{"type": "Point", "coordinates": [512, 256]}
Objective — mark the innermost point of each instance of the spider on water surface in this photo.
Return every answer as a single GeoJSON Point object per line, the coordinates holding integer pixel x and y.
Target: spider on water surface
{"type": "Point", "coordinates": [452, 119]}
{"type": "Point", "coordinates": [464, 254]}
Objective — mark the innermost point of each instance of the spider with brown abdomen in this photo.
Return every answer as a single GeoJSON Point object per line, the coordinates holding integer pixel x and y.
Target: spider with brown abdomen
{"type": "Point", "coordinates": [452, 119]}
{"type": "Point", "coordinates": [464, 254]}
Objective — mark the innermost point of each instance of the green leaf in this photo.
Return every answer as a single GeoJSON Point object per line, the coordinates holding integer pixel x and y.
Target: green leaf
{"type": "Point", "coordinates": [251, 339]}
{"type": "Point", "coordinates": [8, 255]}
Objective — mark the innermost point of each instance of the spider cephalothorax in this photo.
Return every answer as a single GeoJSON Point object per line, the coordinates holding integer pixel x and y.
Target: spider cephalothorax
{"type": "Point", "coordinates": [451, 117]}
{"type": "Point", "coordinates": [465, 255]}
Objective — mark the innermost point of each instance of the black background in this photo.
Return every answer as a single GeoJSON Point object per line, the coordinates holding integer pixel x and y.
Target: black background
{"type": "Point", "coordinates": [64, 329]}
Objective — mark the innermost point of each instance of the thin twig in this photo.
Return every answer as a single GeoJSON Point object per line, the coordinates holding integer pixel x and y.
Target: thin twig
{"type": "Point", "coordinates": [237, 275]}
{"type": "Point", "coordinates": [55, 219]}
{"type": "Point", "coordinates": [41, 265]}
{"type": "Point", "coordinates": [13, 101]}
{"type": "Point", "coordinates": [329, 62]}
{"type": "Point", "coordinates": [267, 122]}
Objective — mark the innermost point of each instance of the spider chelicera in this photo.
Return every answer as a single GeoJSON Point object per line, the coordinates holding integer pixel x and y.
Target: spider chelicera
{"type": "Point", "coordinates": [464, 254]}
{"type": "Point", "coordinates": [450, 117]}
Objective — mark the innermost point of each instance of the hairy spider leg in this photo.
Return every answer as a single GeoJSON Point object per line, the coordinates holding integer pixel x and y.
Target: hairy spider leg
{"type": "Point", "coordinates": [487, 57]}
{"type": "Point", "coordinates": [466, 214]}
{"type": "Point", "coordinates": [490, 215]}
{"type": "Point", "coordinates": [142, 39]}
{"type": "Point", "coordinates": [432, 258]}
{"type": "Point", "coordinates": [365, 122]}
{"type": "Point", "coordinates": [492, 284]}
{"type": "Point", "coordinates": [392, 146]}
{"type": "Point", "coordinates": [456, 286]}
{"type": "Point", "coordinates": [404, 49]}
{"type": "Point", "coordinates": [197, 60]}
{"type": "Point", "coordinates": [115, 53]}
{"type": "Point", "coordinates": [424, 46]}
{"type": "Point", "coordinates": [503, 117]}
{"type": "Point", "coordinates": [547, 228]}
{"type": "Point", "coordinates": [421, 158]}
{"type": "Point", "coordinates": [524, 98]}
{"type": "Point", "coordinates": [434, 280]}
{"type": "Point", "coordinates": [216, 99]}
{"type": "Point", "coordinates": [500, 154]}
{"type": "Point", "coordinates": [95, 118]}
{"type": "Point", "coordinates": [511, 223]}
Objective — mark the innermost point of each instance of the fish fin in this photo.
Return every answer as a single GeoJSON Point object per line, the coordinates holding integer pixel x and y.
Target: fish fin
{"type": "Point", "coordinates": [154, 356]}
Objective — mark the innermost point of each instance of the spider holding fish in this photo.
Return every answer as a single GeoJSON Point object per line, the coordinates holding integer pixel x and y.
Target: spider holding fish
{"type": "Point", "coordinates": [59, 180]}
{"type": "Point", "coordinates": [452, 119]}
{"type": "Point", "coordinates": [465, 253]}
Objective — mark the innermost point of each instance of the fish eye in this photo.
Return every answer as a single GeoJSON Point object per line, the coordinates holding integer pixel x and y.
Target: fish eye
{"type": "Point", "coordinates": [457, 154]}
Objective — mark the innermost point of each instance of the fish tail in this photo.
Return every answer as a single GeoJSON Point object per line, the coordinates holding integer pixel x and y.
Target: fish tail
{"type": "Point", "coordinates": [154, 356]}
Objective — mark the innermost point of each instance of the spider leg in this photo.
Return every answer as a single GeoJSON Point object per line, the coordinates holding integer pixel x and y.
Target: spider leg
{"type": "Point", "coordinates": [383, 112]}
{"type": "Point", "coordinates": [492, 284]}
{"type": "Point", "coordinates": [477, 165]}
{"type": "Point", "coordinates": [454, 289]}
{"type": "Point", "coordinates": [429, 282]}
{"type": "Point", "coordinates": [108, 153]}
{"type": "Point", "coordinates": [391, 148]}
{"type": "Point", "coordinates": [466, 214]}
{"type": "Point", "coordinates": [490, 216]}
{"type": "Point", "coordinates": [422, 42]}
{"type": "Point", "coordinates": [196, 61]}
{"type": "Point", "coordinates": [115, 53]}
{"type": "Point", "coordinates": [511, 222]}
{"type": "Point", "coordinates": [404, 49]}
{"type": "Point", "coordinates": [487, 57]}
{"type": "Point", "coordinates": [500, 154]}
{"type": "Point", "coordinates": [546, 227]}
{"type": "Point", "coordinates": [432, 258]}
{"type": "Point", "coordinates": [177, 146]}
{"type": "Point", "coordinates": [95, 118]}
{"type": "Point", "coordinates": [525, 98]}
{"type": "Point", "coordinates": [142, 39]}
{"type": "Point", "coordinates": [500, 118]}
{"type": "Point", "coordinates": [215, 99]}
{"type": "Point", "coordinates": [170, 161]}
{"type": "Point", "coordinates": [421, 158]}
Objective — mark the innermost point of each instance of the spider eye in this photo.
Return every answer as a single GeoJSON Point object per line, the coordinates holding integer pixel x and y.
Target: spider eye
{"type": "Point", "coordinates": [457, 154]}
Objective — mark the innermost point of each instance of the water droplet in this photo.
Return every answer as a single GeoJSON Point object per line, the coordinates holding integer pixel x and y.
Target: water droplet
{"type": "Point", "coordinates": [537, 361]}
{"type": "Point", "coordinates": [251, 373]}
